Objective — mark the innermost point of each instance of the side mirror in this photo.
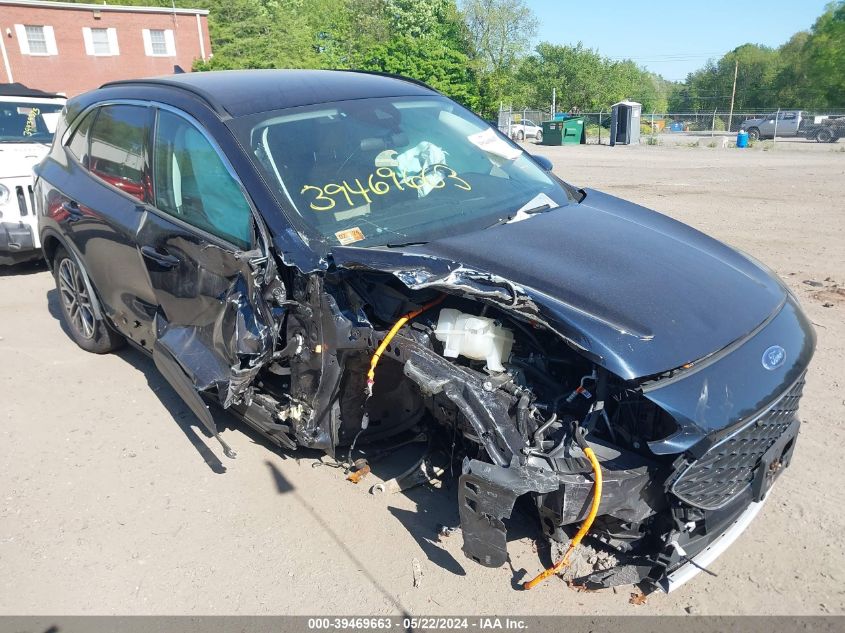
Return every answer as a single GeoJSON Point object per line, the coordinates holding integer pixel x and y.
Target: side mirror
{"type": "Point", "coordinates": [543, 162]}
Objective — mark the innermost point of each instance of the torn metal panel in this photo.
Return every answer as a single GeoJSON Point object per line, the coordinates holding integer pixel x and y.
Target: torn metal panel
{"type": "Point", "coordinates": [182, 383]}
{"type": "Point", "coordinates": [485, 409]}
{"type": "Point", "coordinates": [486, 494]}
{"type": "Point", "coordinates": [225, 354]}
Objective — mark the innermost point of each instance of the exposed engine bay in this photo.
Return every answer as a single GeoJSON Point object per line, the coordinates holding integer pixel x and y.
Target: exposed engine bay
{"type": "Point", "coordinates": [520, 410]}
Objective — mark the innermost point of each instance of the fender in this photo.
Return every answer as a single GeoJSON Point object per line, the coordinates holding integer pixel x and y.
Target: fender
{"type": "Point", "coordinates": [71, 249]}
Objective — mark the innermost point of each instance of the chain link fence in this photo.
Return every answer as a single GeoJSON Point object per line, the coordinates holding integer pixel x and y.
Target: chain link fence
{"type": "Point", "coordinates": [657, 127]}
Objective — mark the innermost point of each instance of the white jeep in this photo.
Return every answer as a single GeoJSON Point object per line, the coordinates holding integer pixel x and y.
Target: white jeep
{"type": "Point", "coordinates": [28, 120]}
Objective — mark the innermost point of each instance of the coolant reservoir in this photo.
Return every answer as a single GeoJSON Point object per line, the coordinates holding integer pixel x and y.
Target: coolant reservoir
{"type": "Point", "coordinates": [475, 337]}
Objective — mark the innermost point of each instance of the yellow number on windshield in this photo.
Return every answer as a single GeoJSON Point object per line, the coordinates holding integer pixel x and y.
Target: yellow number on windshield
{"type": "Point", "coordinates": [460, 183]}
{"type": "Point", "coordinates": [320, 196]}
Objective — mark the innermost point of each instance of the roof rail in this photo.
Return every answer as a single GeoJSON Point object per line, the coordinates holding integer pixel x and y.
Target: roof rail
{"type": "Point", "coordinates": [201, 94]}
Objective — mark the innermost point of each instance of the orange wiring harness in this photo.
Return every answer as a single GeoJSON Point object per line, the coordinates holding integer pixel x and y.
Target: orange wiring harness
{"type": "Point", "coordinates": [371, 375]}
{"type": "Point", "coordinates": [582, 532]}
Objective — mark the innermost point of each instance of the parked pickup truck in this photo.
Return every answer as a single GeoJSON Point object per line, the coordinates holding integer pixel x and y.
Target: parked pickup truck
{"type": "Point", "coordinates": [828, 129]}
{"type": "Point", "coordinates": [785, 123]}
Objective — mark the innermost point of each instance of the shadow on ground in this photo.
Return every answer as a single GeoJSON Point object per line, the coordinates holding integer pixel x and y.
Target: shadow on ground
{"type": "Point", "coordinates": [26, 268]}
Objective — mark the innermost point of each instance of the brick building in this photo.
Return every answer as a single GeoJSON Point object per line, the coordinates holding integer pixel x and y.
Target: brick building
{"type": "Point", "coordinates": [70, 48]}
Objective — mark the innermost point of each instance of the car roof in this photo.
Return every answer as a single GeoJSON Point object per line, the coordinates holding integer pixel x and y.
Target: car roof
{"type": "Point", "coordinates": [20, 90]}
{"type": "Point", "coordinates": [243, 92]}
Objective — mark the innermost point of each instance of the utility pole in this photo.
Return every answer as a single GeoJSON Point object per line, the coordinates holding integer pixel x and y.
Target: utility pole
{"type": "Point", "coordinates": [554, 104]}
{"type": "Point", "coordinates": [733, 94]}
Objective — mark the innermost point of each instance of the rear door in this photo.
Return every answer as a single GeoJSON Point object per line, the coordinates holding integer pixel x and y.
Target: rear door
{"type": "Point", "coordinates": [213, 331]}
{"type": "Point", "coordinates": [98, 202]}
{"type": "Point", "coordinates": [767, 125]}
{"type": "Point", "coordinates": [788, 123]}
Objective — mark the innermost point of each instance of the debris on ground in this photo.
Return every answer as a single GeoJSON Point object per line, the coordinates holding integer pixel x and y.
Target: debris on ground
{"type": "Point", "coordinates": [417, 567]}
{"type": "Point", "coordinates": [830, 295]}
{"type": "Point", "coordinates": [813, 283]}
{"type": "Point", "coordinates": [583, 561]}
{"type": "Point", "coordinates": [360, 470]}
{"type": "Point", "coordinates": [444, 531]}
{"type": "Point", "coordinates": [637, 598]}
{"type": "Point", "coordinates": [579, 588]}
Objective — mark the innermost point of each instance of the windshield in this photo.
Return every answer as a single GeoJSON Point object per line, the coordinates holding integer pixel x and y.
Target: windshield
{"type": "Point", "coordinates": [28, 122]}
{"type": "Point", "coordinates": [392, 171]}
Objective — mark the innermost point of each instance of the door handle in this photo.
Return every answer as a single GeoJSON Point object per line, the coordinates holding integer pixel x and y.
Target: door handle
{"type": "Point", "coordinates": [73, 211]}
{"type": "Point", "coordinates": [163, 259]}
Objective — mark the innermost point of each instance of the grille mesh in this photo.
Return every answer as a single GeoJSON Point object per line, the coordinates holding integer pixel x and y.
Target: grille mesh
{"type": "Point", "coordinates": [727, 468]}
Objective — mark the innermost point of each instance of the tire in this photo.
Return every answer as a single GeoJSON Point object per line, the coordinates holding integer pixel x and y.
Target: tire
{"type": "Point", "coordinates": [520, 136]}
{"type": "Point", "coordinates": [90, 333]}
{"type": "Point", "coordinates": [754, 134]}
{"type": "Point", "coordinates": [539, 137]}
{"type": "Point", "coordinates": [825, 136]}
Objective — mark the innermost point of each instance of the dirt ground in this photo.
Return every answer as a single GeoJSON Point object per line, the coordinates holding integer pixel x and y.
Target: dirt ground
{"type": "Point", "coordinates": [113, 502]}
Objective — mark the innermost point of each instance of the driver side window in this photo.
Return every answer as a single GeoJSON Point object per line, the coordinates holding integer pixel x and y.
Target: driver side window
{"type": "Point", "coordinates": [193, 184]}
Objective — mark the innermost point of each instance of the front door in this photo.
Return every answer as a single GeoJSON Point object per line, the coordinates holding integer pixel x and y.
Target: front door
{"type": "Point", "coordinates": [213, 330]}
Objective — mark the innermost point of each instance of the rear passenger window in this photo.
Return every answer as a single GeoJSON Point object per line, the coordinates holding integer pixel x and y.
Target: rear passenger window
{"type": "Point", "coordinates": [117, 147]}
{"type": "Point", "coordinates": [78, 145]}
{"type": "Point", "coordinates": [193, 184]}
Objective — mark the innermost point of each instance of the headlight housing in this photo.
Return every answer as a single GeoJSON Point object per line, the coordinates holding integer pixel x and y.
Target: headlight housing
{"type": "Point", "coordinates": [4, 194]}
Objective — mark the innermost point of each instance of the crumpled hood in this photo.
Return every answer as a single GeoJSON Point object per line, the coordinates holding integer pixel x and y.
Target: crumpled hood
{"type": "Point", "coordinates": [18, 159]}
{"type": "Point", "coordinates": [639, 292]}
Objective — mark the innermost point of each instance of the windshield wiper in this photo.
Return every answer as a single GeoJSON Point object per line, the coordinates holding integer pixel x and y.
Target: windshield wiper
{"type": "Point", "coordinates": [532, 211]}
{"type": "Point", "coordinates": [401, 244]}
{"type": "Point", "coordinates": [538, 209]}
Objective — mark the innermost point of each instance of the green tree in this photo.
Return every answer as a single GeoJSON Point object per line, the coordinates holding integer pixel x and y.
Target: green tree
{"type": "Point", "coordinates": [823, 55]}
{"type": "Point", "coordinates": [584, 79]}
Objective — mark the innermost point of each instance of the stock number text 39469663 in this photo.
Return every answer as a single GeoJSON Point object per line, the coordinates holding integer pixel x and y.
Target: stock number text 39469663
{"type": "Point", "coordinates": [382, 181]}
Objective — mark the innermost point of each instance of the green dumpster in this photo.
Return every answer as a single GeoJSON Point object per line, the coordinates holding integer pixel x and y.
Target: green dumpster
{"type": "Point", "coordinates": [553, 132]}
{"type": "Point", "coordinates": [573, 131]}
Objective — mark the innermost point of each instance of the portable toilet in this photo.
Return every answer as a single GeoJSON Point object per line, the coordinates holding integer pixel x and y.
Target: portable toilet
{"type": "Point", "coordinates": [625, 123]}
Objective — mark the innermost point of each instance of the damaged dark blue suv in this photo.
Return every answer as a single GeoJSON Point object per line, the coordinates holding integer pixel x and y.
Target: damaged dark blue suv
{"type": "Point", "coordinates": [341, 258]}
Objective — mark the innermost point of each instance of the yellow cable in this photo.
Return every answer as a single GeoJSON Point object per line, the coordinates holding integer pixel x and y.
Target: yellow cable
{"type": "Point", "coordinates": [582, 532]}
{"type": "Point", "coordinates": [371, 375]}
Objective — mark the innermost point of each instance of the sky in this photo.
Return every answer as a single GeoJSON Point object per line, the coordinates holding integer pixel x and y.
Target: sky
{"type": "Point", "coordinates": [672, 38]}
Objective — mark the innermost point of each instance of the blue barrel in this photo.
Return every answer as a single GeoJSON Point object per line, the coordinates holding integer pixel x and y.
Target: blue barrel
{"type": "Point", "coordinates": [742, 139]}
{"type": "Point", "coordinates": [676, 126]}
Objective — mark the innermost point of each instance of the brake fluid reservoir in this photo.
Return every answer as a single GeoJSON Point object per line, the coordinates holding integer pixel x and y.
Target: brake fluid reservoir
{"type": "Point", "coordinates": [475, 337]}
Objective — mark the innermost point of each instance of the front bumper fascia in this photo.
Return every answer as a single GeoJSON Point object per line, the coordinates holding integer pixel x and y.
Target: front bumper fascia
{"type": "Point", "coordinates": [17, 243]}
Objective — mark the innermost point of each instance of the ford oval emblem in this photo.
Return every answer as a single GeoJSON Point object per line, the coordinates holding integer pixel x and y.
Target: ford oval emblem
{"type": "Point", "coordinates": [773, 357]}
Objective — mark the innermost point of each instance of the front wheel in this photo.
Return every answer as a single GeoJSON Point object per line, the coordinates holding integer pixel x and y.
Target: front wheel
{"type": "Point", "coordinates": [539, 137]}
{"type": "Point", "coordinates": [520, 136]}
{"type": "Point", "coordinates": [89, 332]}
{"type": "Point", "coordinates": [754, 134]}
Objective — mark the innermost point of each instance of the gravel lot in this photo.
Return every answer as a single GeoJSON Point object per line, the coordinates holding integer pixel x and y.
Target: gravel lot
{"type": "Point", "coordinates": [113, 502]}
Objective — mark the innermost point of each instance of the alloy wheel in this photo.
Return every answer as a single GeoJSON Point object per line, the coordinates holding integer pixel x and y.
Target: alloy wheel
{"type": "Point", "coordinates": [75, 298]}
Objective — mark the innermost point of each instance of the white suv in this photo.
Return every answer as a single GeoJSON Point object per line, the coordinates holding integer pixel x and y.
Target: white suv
{"type": "Point", "coordinates": [28, 120]}
{"type": "Point", "coordinates": [526, 129]}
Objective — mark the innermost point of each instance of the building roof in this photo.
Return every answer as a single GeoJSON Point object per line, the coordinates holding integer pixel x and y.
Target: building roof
{"type": "Point", "coordinates": [242, 92]}
{"type": "Point", "coordinates": [101, 7]}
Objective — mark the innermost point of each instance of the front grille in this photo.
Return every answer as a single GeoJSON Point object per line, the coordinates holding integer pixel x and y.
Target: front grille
{"type": "Point", "coordinates": [21, 201]}
{"type": "Point", "coordinates": [725, 470]}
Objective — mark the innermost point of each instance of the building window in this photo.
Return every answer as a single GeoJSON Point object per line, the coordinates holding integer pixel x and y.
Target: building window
{"type": "Point", "coordinates": [36, 39]}
{"type": "Point", "coordinates": [100, 42]}
{"type": "Point", "coordinates": [159, 43]}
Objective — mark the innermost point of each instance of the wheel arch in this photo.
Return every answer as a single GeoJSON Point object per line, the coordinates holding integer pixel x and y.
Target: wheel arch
{"type": "Point", "coordinates": [50, 244]}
